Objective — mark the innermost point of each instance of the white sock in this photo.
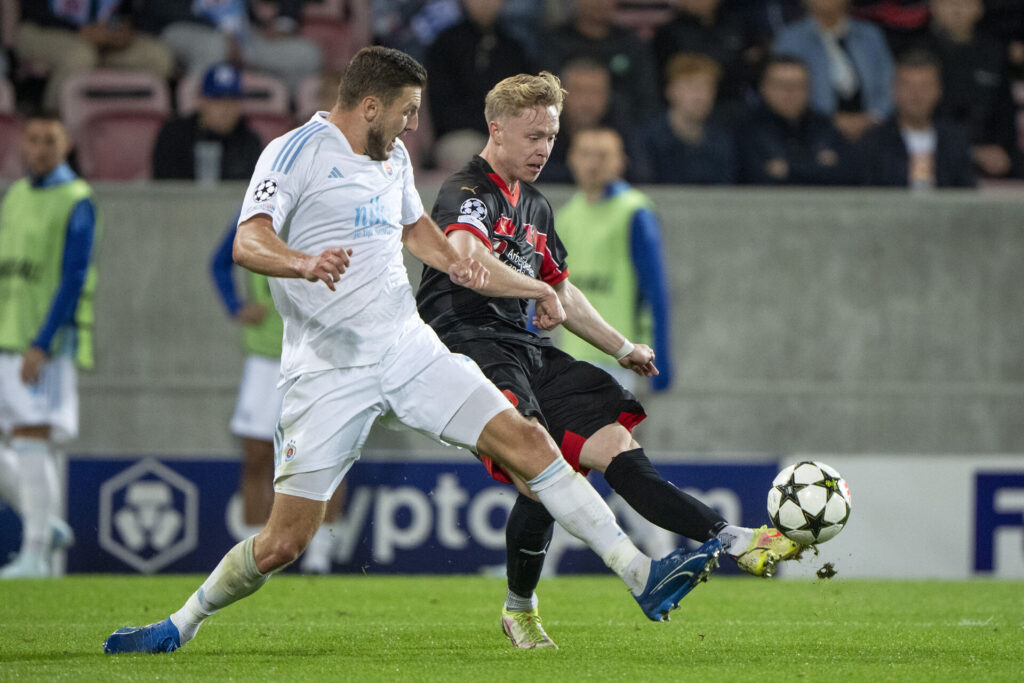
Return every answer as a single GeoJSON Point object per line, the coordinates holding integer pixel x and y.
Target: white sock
{"type": "Point", "coordinates": [234, 578]}
{"type": "Point", "coordinates": [517, 603]}
{"type": "Point", "coordinates": [39, 494]}
{"type": "Point", "coordinates": [574, 504]}
{"type": "Point", "coordinates": [10, 479]}
{"type": "Point", "coordinates": [735, 539]}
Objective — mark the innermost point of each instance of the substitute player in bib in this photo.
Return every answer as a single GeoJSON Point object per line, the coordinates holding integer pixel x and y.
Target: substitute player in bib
{"type": "Point", "coordinates": [332, 203]}
{"type": "Point", "coordinates": [48, 224]}
{"type": "Point", "coordinates": [491, 213]}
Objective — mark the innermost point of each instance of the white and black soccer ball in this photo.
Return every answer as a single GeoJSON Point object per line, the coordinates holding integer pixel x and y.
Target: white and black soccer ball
{"type": "Point", "coordinates": [809, 502]}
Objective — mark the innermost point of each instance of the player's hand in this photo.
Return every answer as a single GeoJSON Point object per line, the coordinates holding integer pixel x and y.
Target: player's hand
{"type": "Point", "coordinates": [469, 272]}
{"type": "Point", "coordinates": [641, 361]}
{"type": "Point", "coordinates": [32, 364]}
{"type": "Point", "coordinates": [251, 314]}
{"type": "Point", "coordinates": [327, 267]}
{"type": "Point", "coordinates": [549, 313]}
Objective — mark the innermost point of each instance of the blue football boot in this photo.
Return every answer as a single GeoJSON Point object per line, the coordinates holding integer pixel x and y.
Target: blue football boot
{"type": "Point", "coordinates": [152, 639]}
{"type": "Point", "coordinates": [675, 575]}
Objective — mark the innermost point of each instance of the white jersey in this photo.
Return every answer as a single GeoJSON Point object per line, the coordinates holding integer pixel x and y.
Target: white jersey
{"type": "Point", "coordinates": [321, 194]}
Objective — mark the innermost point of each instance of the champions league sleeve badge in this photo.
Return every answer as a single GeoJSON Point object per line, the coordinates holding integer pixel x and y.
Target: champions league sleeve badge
{"type": "Point", "coordinates": [474, 208]}
{"type": "Point", "coordinates": [265, 190]}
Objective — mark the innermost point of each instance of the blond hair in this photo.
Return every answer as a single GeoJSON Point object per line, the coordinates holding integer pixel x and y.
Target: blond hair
{"type": "Point", "coordinates": [524, 91]}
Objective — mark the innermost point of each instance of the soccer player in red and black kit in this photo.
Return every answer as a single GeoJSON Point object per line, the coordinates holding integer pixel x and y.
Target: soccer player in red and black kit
{"type": "Point", "coordinates": [489, 210]}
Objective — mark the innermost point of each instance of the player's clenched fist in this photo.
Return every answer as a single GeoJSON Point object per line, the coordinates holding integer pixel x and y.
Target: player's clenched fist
{"type": "Point", "coordinates": [327, 266]}
{"type": "Point", "coordinates": [469, 272]}
{"type": "Point", "coordinates": [549, 312]}
{"type": "Point", "coordinates": [640, 360]}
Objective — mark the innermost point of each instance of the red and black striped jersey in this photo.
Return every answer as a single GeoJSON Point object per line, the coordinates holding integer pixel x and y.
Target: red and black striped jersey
{"type": "Point", "coordinates": [518, 227]}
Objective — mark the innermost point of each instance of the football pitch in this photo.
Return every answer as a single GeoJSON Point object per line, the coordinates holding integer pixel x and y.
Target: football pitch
{"type": "Point", "coordinates": [445, 628]}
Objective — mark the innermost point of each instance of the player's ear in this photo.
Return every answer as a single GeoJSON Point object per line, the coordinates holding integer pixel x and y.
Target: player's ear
{"type": "Point", "coordinates": [370, 106]}
{"type": "Point", "coordinates": [495, 130]}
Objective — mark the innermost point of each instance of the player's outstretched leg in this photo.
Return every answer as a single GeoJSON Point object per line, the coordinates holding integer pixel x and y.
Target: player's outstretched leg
{"type": "Point", "coordinates": [524, 448]}
{"type": "Point", "coordinates": [632, 475]}
{"type": "Point", "coordinates": [242, 571]}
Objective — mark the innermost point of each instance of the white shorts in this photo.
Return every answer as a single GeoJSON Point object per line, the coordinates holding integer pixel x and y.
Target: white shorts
{"type": "Point", "coordinates": [418, 384]}
{"type": "Point", "coordinates": [53, 400]}
{"type": "Point", "coordinates": [259, 399]}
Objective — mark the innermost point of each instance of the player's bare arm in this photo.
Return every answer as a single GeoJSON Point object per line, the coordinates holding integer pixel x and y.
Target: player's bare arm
{"type": "Point", "coordinates": [258, 248]}
{"type": "Point", "coordinates": [583, 320]}
{"type": "Point", "coordinates": [427, 243]}
{"type": "Point", "coordinates": [506, 282]}
{"type": "Point", "coordinates": [32, 364]}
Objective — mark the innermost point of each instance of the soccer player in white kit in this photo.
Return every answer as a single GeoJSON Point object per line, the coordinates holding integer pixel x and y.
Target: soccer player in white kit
{"type": "Point", "coordinates": [332, 203]}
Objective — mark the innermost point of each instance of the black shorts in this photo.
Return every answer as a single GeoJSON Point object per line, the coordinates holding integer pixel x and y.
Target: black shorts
{"type": "Point", "coordinates": [571, 398]}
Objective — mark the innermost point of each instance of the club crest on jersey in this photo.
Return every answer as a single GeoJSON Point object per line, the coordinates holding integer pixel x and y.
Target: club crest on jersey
{"type": "Point", "coordinates": [474, 208]}
{"type": "Point", "coordinates": [289, 451]}
{"type": "Point", "coordinates": [389, 170]}
{"type": "Point", "coordinates": [504, 226]}
{"type": "Point", "coordinates": [265, 190]}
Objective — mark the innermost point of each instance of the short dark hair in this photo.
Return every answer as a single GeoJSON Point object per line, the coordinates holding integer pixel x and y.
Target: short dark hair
{"type": "Point", "coordinates": [380, 71]}
{"type": "Point", "coordinates": [919, 58]}
{"type": "Point", "coordinates": [41, 114]}
{"type": "Point", "coordinates": [782, 60]}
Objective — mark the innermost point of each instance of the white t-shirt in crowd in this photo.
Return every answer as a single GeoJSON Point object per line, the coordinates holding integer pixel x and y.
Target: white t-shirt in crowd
{"type": "Point", "coordinates": [320, 194]}
{"type": "Point", "coordinates": [921, 145]}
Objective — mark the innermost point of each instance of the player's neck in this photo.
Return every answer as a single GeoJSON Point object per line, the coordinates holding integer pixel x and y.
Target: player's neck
{"type": "Point", "coordinates": [352, 126]}
{"type": "Point", "coordinates": [491, 158]}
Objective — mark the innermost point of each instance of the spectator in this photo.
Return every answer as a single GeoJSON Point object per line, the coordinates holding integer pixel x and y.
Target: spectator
{"type": "Point", "coordinates": [903, 22]}
{"type": "Point", "coordinates": [75, 37]}
{"type": "Point", "coordinates": [975, 84]}
{"type": "Point", "coordinates": [412, 25]}
{"type": "Point", "coordinates": [48, 226]}
{"type": "Point", "coordinates": [591, 34]}
{"type": "Point", "coordinates": [701, 26]}
{"type": "Point", "coordinates": [849, 63]}
{"type": "Point", "coordinates": [614, 238]}
{"type": "Point", "coordinates": [465, 62]}
{"type": "Point", "coordinates": [913, 149]}
{"type": "Point", "coordinates": [785, 141]}
{"type": "Point", "coordinates": [214, 143]}
{"type": "Point", "coordinates": [683, 145]}
{"type": "Point", "coordinates": [205, 32]}
{"type": "Point", "coordinates": [588, 103]}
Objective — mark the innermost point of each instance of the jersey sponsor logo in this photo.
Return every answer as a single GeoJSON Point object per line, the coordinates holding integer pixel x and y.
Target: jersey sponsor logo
{"type": "Point", "coordinates": [265, 190]}
{"type": "Point", "coordinates": [335, 173]}
{"type": "Point", "coordinates": [474, 208]}
{"type": "Point", "coordinates": [469, 189]}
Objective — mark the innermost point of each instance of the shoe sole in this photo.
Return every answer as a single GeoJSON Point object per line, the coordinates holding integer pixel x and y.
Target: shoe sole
{"type": "Point", "coordinates": [710, 565]}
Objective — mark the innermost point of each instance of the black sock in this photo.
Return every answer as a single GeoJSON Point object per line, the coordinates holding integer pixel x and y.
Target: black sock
{"type": "Point", "coordinates": [527, 536]}
{"type": "Point", "coordinates": [634, 478]}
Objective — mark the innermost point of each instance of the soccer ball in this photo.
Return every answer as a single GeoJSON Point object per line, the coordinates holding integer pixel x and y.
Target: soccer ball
{"type": "Point", "coordinates": [809, 502]}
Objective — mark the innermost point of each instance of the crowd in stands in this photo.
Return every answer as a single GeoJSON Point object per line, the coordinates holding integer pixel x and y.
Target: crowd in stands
{"type": "Point", "coordinates": [916, 93]}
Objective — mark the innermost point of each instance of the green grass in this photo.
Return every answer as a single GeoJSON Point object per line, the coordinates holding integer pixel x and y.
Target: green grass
{"type": "Point", "coordinates": [358, 628]}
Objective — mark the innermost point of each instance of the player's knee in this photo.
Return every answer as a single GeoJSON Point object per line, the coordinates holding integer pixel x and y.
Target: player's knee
{"type": "Point", "coordinates": [279, 552]}
{"type": "Point", "coordinates": [532, 450]}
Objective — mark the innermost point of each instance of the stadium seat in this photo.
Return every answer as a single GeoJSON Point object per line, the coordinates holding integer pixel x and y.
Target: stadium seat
{"type": "Point", "coordinates": [307, 98]}
{"type": "Point", "coordinates": [10, 157]}
{"type": "Point", "coordinates": [338, 39]}
{"type": "Point", "coordinates": [83, 96]}
{"type": "Point", "coordinates": [270, 126]}
{"type": "Point", "coordinates": [118, 145]}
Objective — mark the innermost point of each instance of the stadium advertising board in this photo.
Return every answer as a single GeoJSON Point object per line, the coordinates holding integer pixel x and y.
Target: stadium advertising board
{"type": "Point", "coordinates": [913, 516]}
